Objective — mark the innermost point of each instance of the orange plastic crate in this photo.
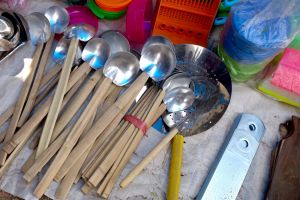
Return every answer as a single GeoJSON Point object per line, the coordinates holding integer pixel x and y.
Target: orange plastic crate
{"type": "Point", "coordinates": [185, 21]}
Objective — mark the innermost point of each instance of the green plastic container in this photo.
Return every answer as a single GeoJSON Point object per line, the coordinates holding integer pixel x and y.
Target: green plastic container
{"type": "Point", "coordinates": [295, 44]}
{"type": "Point", "coordinates": [240, 72]}
{"type": "Point", "coordinates": [102, 14]}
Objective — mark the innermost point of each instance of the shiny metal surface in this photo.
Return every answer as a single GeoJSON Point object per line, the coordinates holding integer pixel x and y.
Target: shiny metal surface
{"type": "Point", "coordinates": [179, 98]}
{"type": "Point", "coordinates": [178, 80]}
{"type": "Point", "coordinates": [158, 61]}
{"type": "Point", "coordinates": [6, 28]}
{"type": "Point", "coordinates": [116, 40]}
{"type": "Point", "coordinates": [158, 40]}
{"type": "Point", "coordinates": [5, 45]}
{"type": "Point", "coordinates": [212, 89]}
{"type": "Point", "coordinates": [61, 50]}
{"type": "Point", "coordinates": [58, 18]}
{"type": "Point", "coordinates": [83, 32]}
{"type": "Point", "coordinates": [122, 68]}
{"type": "Point", "coordinates": [96, 52]}
{"type": "Point", "coordinates": [39, 28]}
{"type": "Point", "coordinates": [230, 168]}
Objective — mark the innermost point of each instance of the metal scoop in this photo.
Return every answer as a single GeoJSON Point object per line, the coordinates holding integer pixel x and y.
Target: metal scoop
{"type": "Point", "coordinates": [6, 28]}
{"type": "Point", "coordinates": [39, 28]}
{"type": "Point", "coordinates": [116, 40]}
{"type": "Point", "coordinates": [158, 40]}
{"type": "Point", "coordinates": [58, 18]}
{"type": "Point", "coordinates": [96, 52]}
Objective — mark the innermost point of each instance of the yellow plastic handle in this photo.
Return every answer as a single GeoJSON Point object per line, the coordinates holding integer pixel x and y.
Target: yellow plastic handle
{"type": "Point", "coordinates": [175, 168]}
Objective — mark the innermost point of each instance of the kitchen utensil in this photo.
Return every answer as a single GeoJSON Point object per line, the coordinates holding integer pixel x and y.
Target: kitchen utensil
{"type": "Point", "coordinates": [238, 150]}
{"type": "Point", "coordinates": [20, 36]}
{"type": "Point", "coordinates": [39, 29]}
{"type": "Point", "coordinates": [114, 6]}
{"type": "Point", "coordinates": [116, 41]}
{"type": "Point", "coordinates": [161, 65]}
{"type": "Point", "coordinates": [117, 68]}
{"type": "Point", "coordinates": [23, 135]}
{"type": "Point", "coordinates": [82, 32]}
{"type": "Point", "coordinates": [158, 39]}
{"type": "Point", "coordinates": [30, 126]}
{"type": "Point", "coordinates": [58, 19]}
{"type": "Point", "coordinates": [212, 98]}
{"type": "Point", "coordinates": [7, 29]}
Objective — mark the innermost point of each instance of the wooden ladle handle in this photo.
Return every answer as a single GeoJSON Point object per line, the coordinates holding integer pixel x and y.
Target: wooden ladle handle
{"type": "Point", "coordinates": [148, 158]}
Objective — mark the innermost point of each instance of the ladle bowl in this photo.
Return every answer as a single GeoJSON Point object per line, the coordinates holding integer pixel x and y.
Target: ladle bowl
{"type": "Point", "coordinates": [117, 41]}
{"type": "Point", "coordinates": [6, 28]}
{"type": "Point", "coordinates": [179, 98]}
{"type": "Point", "coordinates": [82, 32]}
{"type": "Point", "coordinates": [158, 61]}
{"type": "Point", "coordinates": [158, 40]}
{"type": "Point", "coordinates": [122, 68]}
{"type": "Point", "coordinates": [58, 18]}
{"type": "Point", "coordinates": [39, 28]}
{"type": "Point", "coordinates": [96, 52]}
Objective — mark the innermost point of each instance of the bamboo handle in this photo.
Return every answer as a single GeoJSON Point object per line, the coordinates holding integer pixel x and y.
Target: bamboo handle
{"type": "Point", "coordinates": [21, 101]}
{"type": "Point", "coordinates": [133, 146]}
{"type": "Point", "coordinates": [148, 158]}
{"type": "Point", "coordinates": [52, 73]}
{"type": "Point", "coordinates": [72, 139]}
{"type": "Point", "coordinates": [67, 182]}
{"type": "Point", "coordinates": [37, 81]}
{"type": "Point", "coordinates": [29, 127]}
{"type": "Point", "coordinates": [58, 98]}
{"type": "Point", "coordinates": [107, 118]}
{"type": "Point", "coordinates": [46, 90]}
{"type": "Point", "coordinates": [8, 113]}
{"type": "Point", "coordinates": [66, 131]}
{"type": "Point", "coordinates": [112, 156]}
{"type": "Point", "coordinates": [175, 168]}
{"type": "Point", "coordinates": [75, 105]}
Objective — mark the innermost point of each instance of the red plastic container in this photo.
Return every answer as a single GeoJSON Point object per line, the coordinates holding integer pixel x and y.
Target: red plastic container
{"type": "Point", "coordinates": [185, 21]}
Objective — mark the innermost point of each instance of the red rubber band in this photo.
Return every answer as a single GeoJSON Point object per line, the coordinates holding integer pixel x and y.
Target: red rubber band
{"type": "Point", "coordinates": [140, 124]}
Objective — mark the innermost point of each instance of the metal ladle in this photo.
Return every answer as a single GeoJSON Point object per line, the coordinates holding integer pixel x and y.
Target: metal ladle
{"type": "Point", "coordinates": [58, 20]}
{"type": "Point", "coordinates": [116, 70]}
{"type": "Point", "coordinates": [39, 29]}
{"type": "Point", "coordinates": [116, 41]}
{"type": "Point", "coordinates": [80, 32]}
{"type": "Point", "coordinates": [7, 29]}
{"type": "Point", "coordinates": [197, 62]}
{"type": "Point", "coordinates": [161, 63]}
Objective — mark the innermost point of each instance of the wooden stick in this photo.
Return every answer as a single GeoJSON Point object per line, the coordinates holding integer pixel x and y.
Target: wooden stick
{"type": "Point", "coordinates": [114, 133]}
{"type": "Point", "coordinates": [94, 132]}
{"type": "Point", "coordinates": [132, 147]}
{"type": "Point", "coordinates": [112, 156]}
{"type": "Point", "coordinates": [118, 158]}
{"type": "Point", "coordinates": [86, 189]}
{"type": "Point", "coordinates": [21, 101]}
{"type": "Point", "coordinates": [62, 173]}
{"type": "Point", "coordinates": [58, 98]}
{"type": "Point", "coordinates": [138, 168]}
{"type": "Point", "coordinates": [115, 165]}
{"type": "Point", "coordinates": [72, 139]}
{"type": "Point", "coordinates": [75, 104]}
{"type": "Point", "coordinates": [52, 73]}
{"type": "Point", "coordinates": [66, 184]}
{"type": "Point", "coordinates": [29, 127]}
{"type": "Point", "coordinates": [108, 102]}
{"type": "Point", "coordinates": [46, 90]}
{"type": "Point", "coordinates": [8, 113]}
{"type": "Point", "coordinates": [32, 166]}
{"type": "Point", "coordinates": [37, 81]}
